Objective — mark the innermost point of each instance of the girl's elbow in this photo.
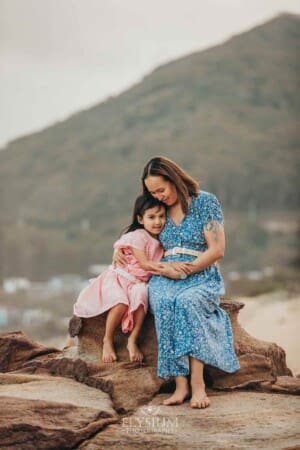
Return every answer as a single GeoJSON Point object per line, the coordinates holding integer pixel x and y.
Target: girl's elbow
{"type": "Point", "coordinates": [145, 266]}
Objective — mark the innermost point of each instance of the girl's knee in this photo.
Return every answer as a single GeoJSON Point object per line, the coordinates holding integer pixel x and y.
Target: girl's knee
{"type": "Point", "coordinates": [182, 299]}
{"type": "Point", "coordinates": [118, 309]}
{"type": "Point", "coordinates": [140, 310]}
{"type": "Point", "coordinates": [120, 306]}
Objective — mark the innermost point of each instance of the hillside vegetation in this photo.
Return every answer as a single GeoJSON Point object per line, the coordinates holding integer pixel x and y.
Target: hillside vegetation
{"type": "Point", "coordinates": [229, 115]}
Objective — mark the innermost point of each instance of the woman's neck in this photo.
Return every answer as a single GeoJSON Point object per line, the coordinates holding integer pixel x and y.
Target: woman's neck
{"type": "Point", "coordinates": [176, 211]}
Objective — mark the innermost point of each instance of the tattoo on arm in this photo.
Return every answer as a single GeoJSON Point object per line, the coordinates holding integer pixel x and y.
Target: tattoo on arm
{"type": "Point", "coordinates": [213, 226]}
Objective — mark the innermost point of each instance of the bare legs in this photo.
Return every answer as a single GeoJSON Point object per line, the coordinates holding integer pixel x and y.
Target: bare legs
{"type": "Point", "coordinates": [181, 392]}
{"type": "Point", "coordinates": [199, 398]}
{"type": "Point", "coordinates": [138, 319]}
{"type": "Point", "coordinates": [113, 320]}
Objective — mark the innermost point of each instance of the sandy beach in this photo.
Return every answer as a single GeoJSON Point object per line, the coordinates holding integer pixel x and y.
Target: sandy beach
{"type": "Point", "coordinates": [274, 317]}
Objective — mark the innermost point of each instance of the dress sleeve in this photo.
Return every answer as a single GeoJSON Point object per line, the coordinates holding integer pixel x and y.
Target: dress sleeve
{"type": "Point", "coordinates": [213, 210]}
{"type": "Point", "coordinates": [133, 239]}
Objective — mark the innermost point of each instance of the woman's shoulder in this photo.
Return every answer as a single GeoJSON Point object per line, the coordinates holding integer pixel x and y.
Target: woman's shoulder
{"type": "Point", "coordinates": [209, 207]}
{"type": "Point", "coordinates": [204, 197]}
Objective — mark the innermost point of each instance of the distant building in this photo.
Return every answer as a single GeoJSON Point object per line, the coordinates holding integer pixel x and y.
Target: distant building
{"type": "Point", "coordinates": [13, 285]}
{"type": "Point", "coordinates": [33, 316]}
{"type": "Point", "coordinates": [65, 283]}
{"type": "Point", "coordinates": [3, 317]}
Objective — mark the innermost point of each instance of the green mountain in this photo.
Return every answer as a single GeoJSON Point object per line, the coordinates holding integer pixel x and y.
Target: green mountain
{"type": "Point", "coordinates": [228, 115]}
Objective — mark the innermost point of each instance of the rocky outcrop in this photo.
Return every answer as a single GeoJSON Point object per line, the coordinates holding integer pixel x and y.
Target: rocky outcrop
{"type": "Point", "coordinates": [68, 399]}
{"type": "Point", "coordinates": [282, 385]}
{"type": "Point", "coordinates": [15, 350]}
{"type": "Point", "coordinates": [134, 383]}
{"type": "Point", "coordinates": [42, 412]}
{"type": "Point", "coordinates": [235, 420]}
{"type": "Point", "coordinates": [260, 361]}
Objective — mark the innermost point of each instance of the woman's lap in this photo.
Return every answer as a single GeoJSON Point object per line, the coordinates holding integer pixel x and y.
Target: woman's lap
{"type": "Point", "coordinates": [190, 322]}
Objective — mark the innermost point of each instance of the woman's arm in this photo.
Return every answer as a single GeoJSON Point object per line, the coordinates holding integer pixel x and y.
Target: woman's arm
{"type": "Point", "coordinates": [215, 238]}
{"type": "Point", "coordinates": [155, 268]}
{"type": "Point", "coordinates": [119, 258]}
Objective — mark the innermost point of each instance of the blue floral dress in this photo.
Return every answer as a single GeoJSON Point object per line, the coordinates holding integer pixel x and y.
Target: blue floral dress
{"type": "Point", "coordinates": [188, 318]}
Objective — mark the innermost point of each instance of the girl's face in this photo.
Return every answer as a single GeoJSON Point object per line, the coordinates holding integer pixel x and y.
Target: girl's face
{"type": "Point", "coordinates": [163, 190]}
{"type": "Point", "coordinates": [153, 220]}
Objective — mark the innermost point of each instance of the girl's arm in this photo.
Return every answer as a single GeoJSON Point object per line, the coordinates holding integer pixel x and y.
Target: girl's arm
{"type": "Point", "coordinates": [215, 237]}
{"type": "Point", "coordinates": [168, 269]}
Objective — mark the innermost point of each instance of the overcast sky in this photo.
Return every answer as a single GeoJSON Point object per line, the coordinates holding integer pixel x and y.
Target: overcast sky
{"type": "Point", "coordinates": [61, 56]}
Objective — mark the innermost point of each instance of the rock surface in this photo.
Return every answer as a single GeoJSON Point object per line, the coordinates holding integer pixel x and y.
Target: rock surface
{"type": "Point", "coordinates": [234, 420]}
{"type": "Point", "coordinates": [15, 350]}
{"type": "Point", "coordinates": [260, 361]}
{"type": "Point", "coordinates": [52, 399]}
{"type": "Point", "coordinates": [42, 412]}
{"type": "Point", "coordinates": [283, 385]}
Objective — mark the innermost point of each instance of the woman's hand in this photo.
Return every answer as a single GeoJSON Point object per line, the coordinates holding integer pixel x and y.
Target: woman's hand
{"type": "Point", "coordinates": [119, 258]}
{"type": "Point", "coordinates": [183, 267]}
{"type": "Point", "coordinates": [168, 270]}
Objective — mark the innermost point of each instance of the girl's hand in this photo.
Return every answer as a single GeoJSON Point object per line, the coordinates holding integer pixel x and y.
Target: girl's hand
{"type": "Point", "coordinates": [119, 258]}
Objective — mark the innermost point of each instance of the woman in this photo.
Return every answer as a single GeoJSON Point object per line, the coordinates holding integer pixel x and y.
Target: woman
{"type": "Point", "coordinates": [192, 329]}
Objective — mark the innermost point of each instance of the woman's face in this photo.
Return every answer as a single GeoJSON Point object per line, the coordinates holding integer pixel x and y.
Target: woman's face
{"type": "Point", "coordinates": [163, 190]}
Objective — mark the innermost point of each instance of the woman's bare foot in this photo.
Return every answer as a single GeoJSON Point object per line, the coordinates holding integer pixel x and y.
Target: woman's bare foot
{"type": "Point", "coordinates": [181, 393]}
{"type": "Point", "coordinates": [134, 352]}
{"type": "Point", "coordinates": [199, 398]}
{"type": "Point", "coordinates": [108, 352]}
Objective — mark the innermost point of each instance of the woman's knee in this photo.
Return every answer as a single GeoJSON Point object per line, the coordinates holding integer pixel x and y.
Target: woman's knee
{"type": "Point", "coordinates": [184, 301]}
{"type": "Point", "coordinates": [161, 303]}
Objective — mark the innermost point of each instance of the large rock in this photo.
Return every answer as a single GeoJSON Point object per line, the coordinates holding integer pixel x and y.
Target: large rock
{"type": "Point", "coordinates": [42, 412]}
{"type": "Point", "coordinates": [129, 384]}
{"type": "Point", "coordinates": [134, 383]}
{"type": "Point", "coordinates": [91, 331]}
{"type": "Point", "coordinates": [50, 401]}
{"type": "Point", "coordinates": [260, 361]}
{"type": "Point", "coordinates": [234, 420]}
{"type": "Point", "coordinates": [282, 385]}
{"type": "Point", "coordinates": [15, 349]}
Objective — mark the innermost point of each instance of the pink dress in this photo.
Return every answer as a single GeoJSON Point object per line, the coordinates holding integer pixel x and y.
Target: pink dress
{"type": "Point", "coordinates": [127, 286]}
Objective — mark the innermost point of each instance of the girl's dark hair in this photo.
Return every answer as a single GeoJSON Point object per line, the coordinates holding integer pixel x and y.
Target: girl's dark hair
{"type": "Point", "coordinates": [142, 203]}
{"type": "Point", "coordinates": [185, 185]}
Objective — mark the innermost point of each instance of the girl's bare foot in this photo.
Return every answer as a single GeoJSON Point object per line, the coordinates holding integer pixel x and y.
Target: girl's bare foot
{"type": "Point", "coordinates": [181, 393]}
{"type": "Point", "coordinates": [199, 398]}
{"type": "Point", "coordinates": [108, 352]}
{"type": "Point", "coordinates": [134, 352]}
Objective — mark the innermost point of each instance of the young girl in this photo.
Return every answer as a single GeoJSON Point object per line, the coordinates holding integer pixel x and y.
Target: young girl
{"type": "Point", "coordinates": [124, 291]}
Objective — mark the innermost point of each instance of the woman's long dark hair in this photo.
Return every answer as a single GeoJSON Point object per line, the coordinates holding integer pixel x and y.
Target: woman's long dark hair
{"type": "Point", "coordinates": [185, 185]}
{"type": "Point", "coordinates": [142, 203]}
